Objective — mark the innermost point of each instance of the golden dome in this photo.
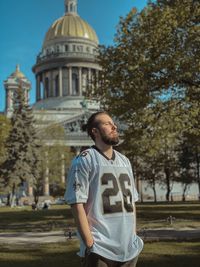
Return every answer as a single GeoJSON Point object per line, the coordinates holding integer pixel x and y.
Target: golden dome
{"type": "Point", "coordinates": [17, 73]}
{"type": "Point", "coordinates": [70, 25]}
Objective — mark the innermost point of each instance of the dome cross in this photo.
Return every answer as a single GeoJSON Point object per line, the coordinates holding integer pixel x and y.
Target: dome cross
{"type": "Point", "coordinates": [71, 6]}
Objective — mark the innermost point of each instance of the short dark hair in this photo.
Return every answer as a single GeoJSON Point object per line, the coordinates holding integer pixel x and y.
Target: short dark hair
{"type": "Point", "coordinates": [92, 123]}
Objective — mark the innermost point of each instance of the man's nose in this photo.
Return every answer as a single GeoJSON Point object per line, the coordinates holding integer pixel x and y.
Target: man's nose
{"type": "Point", "coordinates": [114, 126]}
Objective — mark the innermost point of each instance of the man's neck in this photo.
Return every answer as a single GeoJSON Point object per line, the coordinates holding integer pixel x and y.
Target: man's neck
{"type": "Point", "coordinates": [105, 149]}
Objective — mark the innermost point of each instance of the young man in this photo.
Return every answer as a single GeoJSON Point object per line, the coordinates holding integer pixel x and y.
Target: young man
{"type": "Point", "coordinates": [102, 194]}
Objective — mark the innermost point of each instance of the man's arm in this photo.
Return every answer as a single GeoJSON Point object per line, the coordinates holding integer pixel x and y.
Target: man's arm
{"type": "Point", "coordinates": [81, 221]}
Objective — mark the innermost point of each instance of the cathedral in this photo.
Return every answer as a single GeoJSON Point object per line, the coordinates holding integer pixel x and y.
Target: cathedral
{"type": "Point", "coordinates": [65, 68]}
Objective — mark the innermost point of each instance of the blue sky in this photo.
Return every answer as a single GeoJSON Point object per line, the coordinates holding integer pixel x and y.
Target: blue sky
{"type": "Point", "coordinates": [25, 22]}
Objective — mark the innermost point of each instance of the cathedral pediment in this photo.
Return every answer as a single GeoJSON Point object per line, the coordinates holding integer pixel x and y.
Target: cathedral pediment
{"type": "Point", "coordinates": [76, 123]}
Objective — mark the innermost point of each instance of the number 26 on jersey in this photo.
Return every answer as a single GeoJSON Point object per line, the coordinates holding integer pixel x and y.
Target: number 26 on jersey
{"type": "Point", "coordinates": [116, 194]}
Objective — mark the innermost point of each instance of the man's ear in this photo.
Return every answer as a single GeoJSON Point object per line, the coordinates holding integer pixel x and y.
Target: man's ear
{"type": "Point", "coordinates": [94, 131]}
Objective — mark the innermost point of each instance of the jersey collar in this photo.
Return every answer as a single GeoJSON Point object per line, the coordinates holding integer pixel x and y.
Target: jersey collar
{"type": "Point", "coordinates": [113, 155]}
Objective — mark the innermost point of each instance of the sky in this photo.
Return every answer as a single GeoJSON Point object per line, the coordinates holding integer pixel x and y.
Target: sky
{"type": "Point", "coordinates": [24, 24]}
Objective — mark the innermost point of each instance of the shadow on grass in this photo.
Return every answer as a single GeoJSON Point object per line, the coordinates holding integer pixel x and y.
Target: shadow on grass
{"type": "Point", "coordinates": [50, 255]}
{"type": "Point", "coordinates": [40, 220]}
{"type": "Point", "coordinates": [169, 261]}
{"type": "Point", "coordinates": [168, 254]}
{"type": "Point", "coordinates": [64, 254]}
{"type": "Point", "coordinates": [14, 216]}
{"type": "Point", "coordinates": [58, 217]}
{"type": "Point", "coordinates": [153, 211]}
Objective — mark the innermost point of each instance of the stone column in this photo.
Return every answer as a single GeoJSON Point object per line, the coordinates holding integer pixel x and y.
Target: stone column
{"type": "Point", "coordinates": [60, 82]}
{"type": "Point", "coordinates": [63, 169]}
{"type": "Point", "coordinates": [10, 99]}
{"type": "Point", "coordinates": [52, 84]}
{"type": "Point", "coordinates": [78, 150]}
{"type": "Point", "coordinates": [7, 99]}
{"type": "Point", "coordinates": [80, 80]}
{"type": "Point", "coordinates": [26, 95]}
{"type": "Point", "coordinates": [97, 78]}
{"type": "Point", "coordinates": [70, 80]}
{"type": "Point", "coordinates": [9, 102]}
{"type": "Point", "coordinates": [46, 178]}
{"type": "Point", "coordinates": [44, 89]}
{"type": "Point", "coordinates": [30, 190]}
{"type": "Point", "coordinates": [89, 78]}
{"type": "Point", "coordinates": [38, 92]}
{"type": "Point", "coordinates": [140, 188]}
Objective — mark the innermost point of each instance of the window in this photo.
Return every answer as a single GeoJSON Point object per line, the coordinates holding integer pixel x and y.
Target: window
{"type": "Point", "coordinates": [46, 87]}
{"type": "Point", "coordinates": [79, 48]}
{"type": "Point", "coordinates": [66, 48]}
{"type": "Point", "coordinates": [74, 84]}
{"type": "Point", "coordinates": [57, 48]}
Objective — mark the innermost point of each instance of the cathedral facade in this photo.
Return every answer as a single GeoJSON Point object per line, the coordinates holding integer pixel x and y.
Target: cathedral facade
{"type": "Point", "coordinates": [65, 69]}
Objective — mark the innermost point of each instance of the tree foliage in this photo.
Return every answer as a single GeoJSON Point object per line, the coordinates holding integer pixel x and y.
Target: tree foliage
{"type": "Point", "coordinates": [150, 81]}
{"type": "Point", "coordinates": [55, 157]}
{"type": "Point", "coordinates": [4, 132]}
{"type": "Point", "coordinates": [23, 158]}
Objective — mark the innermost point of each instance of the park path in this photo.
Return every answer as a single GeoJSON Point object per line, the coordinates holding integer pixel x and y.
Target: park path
{"type": "Point", "coordinates": [170, 234]}
{"type": "Point", "coordinates": [58, 236]}
{"type": "Point", "coordinates": [31, 237]}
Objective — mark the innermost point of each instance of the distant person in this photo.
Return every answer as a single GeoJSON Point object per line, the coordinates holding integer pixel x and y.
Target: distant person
{"type": "Point", "coordinates": [70, 233]}
{"type": "Point", "coordinates": [102, 194]}
{"type": "Point", "coordinates": [34, 206]}
{"type": "Point", "coordinates": [45, 206]}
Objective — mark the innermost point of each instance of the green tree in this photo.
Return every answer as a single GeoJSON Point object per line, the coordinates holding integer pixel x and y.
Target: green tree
{"type": "Point", "coordinates": [56, 157]}
{"type": "Point", "coordinates": [153, 138]}
{"type": "Point", "coordinates": [150, 79]}
{"type": "Point", "coordinates": [190, 158]}
{"type": "Point", "coordinates": [156, 51]}
{"type": "Point", "coordinates": [23, 158]}
{"type": "Point", "coordinates": [4, 132]}
{"type": "Point", "coordinates": [187, 166]}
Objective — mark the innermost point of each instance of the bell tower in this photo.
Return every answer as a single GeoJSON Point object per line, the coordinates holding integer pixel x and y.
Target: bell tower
{"type": "Point", "coordinates": [15, 80]}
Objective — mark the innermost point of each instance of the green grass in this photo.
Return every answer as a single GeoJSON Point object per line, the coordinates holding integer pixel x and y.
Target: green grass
{"type": "Point", "coordinates": [155, 215]}
{"type": "Point", "coordinates": [168, 254]}
{"type": "Point", "coordinates": [51, 255]}
{"type": "Point", "coordinates": [165, 254]}
{"type": "Point", "coordinates": [59, 217]}
{"type": "Point", "coordinates": [156, 254]}
{"type": "Point", "coordinates": [25, 219]}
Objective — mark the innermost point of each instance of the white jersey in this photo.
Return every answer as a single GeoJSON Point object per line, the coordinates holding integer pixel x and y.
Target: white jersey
{"type": "Point", "coordinates": [107, 188]}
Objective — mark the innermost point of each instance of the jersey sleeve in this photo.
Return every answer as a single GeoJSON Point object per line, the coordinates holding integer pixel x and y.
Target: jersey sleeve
{"type": "Point", "coordinates": [78, 181]}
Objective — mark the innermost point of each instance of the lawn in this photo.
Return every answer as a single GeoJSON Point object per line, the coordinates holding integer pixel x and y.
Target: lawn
{"type": "Point", "coordinates": [155, 254]}
{"type": "Point", "coordinates": [59, 217]}
{"type": "Point", "coordinates": [24, 219]}
{"type": "Point", "coordinates": [184, 215]}
{"type": "Point", "coordinates": [168, 254]}
{"type": "Point", "coordinates": [165, 254]}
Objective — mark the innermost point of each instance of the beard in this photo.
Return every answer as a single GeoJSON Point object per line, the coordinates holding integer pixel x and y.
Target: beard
{"type": "Point", "coordinates": [111, 141]}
